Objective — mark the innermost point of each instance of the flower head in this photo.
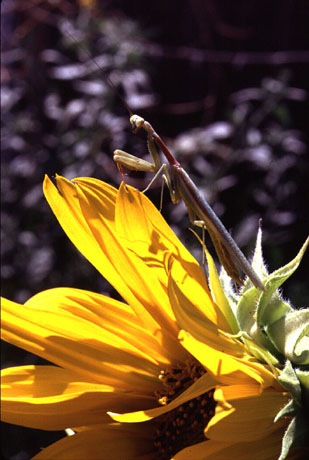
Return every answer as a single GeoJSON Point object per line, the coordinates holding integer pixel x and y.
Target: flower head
{"type": "Point", "coordinates": [177, 370]}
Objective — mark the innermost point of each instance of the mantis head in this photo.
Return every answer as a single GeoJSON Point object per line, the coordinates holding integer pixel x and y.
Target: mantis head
{"type": "Point", "coordinates": [137, 122]}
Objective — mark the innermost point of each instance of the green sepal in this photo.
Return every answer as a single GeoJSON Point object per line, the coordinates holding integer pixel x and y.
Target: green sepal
{"type": "Point", "coordinates": [296, 435]}
{"type": "Point", "coordinates": [289, 410]}
{"type": "Point", "coordinates": [246, 309]}
{"type": "Point", "coordinates": [261, 353]}
{"type": "Point", "coordinates": [289, 380]}
{"type": "Point", "coordinates": [247, 302]}
{"type": "Point", "coordinates": [289, 335]}
{"type": "Point", "coordinates": [268, 311]}
{"type": "Point", "coordinates": [258, 264]}
{"type": "Point", "coordinates": [219, 295]}
{"type": "Point", "coordinates": [229, 289]}
{"type": "Point", "coordinates": [249, 295]}
{"type": "Point", "coordinates": [246, 317]}
{"type": "Point", "coordinates": [275, 309]}
{"type": "Point", "coordinates": [303, 377]}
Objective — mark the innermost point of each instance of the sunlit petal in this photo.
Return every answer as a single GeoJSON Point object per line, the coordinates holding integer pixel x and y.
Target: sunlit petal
{"type": "Point", "coordinates": [244, 414]}
{"type": "Point", "coordinates": [147, 297]}
{"type": "Point", "coordinates": [72, 206]}
{"type": "Point", "coordinates": [138, 221]}
{"type": "Point", "coordinates": [34, 396]}
{"type": "Point", "coordinates": [220, 298]}
{"type": "Point", "coordinates": [225, 366]}
{"type": "Point", "coordinates": [59, 326]}
{"type": "Point", "coordinates": [181, 286]}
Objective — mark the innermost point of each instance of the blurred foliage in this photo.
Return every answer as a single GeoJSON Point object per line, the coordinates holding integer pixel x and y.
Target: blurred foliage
{"type": "Point", "coordinates": [61, 120]}
{"type": "Point", "coordinates": [236, 118]}
{"type": "Point", "coordinates": [255, 158]}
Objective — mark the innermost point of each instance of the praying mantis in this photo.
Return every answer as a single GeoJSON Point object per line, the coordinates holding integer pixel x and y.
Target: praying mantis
{"type": "Point", "coordinates": [199, 211]}
{"type": "Point", "coordinates": [182, 186]}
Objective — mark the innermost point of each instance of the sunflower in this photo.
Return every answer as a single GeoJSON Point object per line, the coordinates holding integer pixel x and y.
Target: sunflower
{"type": "Point", "coordinates": [177, 370]}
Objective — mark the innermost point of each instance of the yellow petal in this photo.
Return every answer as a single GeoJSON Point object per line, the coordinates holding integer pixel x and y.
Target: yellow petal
{"type": "Point", "coordinates": [203, 450]}
{"type": "Point", "coordinates": [108, 444]}
{"type": "Point", "coordinates": [137, 232]}
{"type": "Point", "coordinates": [220, 298]}
{"type": "Point", "coordinates": [188, 282]}
{"type": "Point", "coordinates": [52, 398]}
{"type": "Point", "coordinates": [225, 360]}
{"type": "Point", "coordinates": [66, 207]}
{"type": "Point", "coordinates": [65, 203]}
{"type": "Point", "coordinates": [201, 386]}
{"type": "Point", "coordinates": [201, 336]}
{"type": "Point", "coordinates": [138, 220]}
{"type": "Point", "coordinates": [86, 209]}
{"type": "Point", "coordinates": [66, 327]}
{"type": "Point", "coordinates": [115, 319]}
{"type": "Point", "coordinates": [149, 296]}
{"type": "Point", "coordinates": [244, 414]}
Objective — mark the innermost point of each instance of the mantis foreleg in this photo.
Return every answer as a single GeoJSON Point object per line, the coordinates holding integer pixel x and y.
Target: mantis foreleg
{"type": "Point", "coordinates": [124, 159]}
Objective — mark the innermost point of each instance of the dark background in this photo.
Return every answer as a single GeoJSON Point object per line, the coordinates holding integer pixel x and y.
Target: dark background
{"type": "Point", "coordinates": [224, 83]}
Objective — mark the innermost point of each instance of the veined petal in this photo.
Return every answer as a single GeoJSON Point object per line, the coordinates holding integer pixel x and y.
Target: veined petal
{"type": "Point", "coordinates": [66, 207]}
{"type": "Point", "coordinates": [150, 300]}
{"type": "Point", "coordinates": [148, 242]}
{"type": "Point", "coordinates": [201, 386]}
{"type": "Point", "coordinates": [223, 356]}
{"type": "Point", "coordinates": [191, 283]}
{"type": "Point", "coordinates": [138, 220]}
{"type": "Point", "coordinates": [243, 414]}
{"type": "Point", "coordinates": [111, 443]}
{"type": "Point", "coordinates": [106, 254]}
{"type": "Point", "coordinates": [220, 299]}
{"type": "Point", "coordinates": [52, 398]}
{"type": "Point", "coordinates": [225, 365]}
{"type": "Point", "coordinates": [111, 316]}
{"type": "Point", "coordinates": [188, 281]}
{"type": "Point", "coordinates": [64, 326]}
{"type": "Point", "coordinates": [197, 315]}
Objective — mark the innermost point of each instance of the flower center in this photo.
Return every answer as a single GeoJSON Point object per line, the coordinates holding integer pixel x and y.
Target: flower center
{"type": "Point", "coordinates": [184, 425]}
